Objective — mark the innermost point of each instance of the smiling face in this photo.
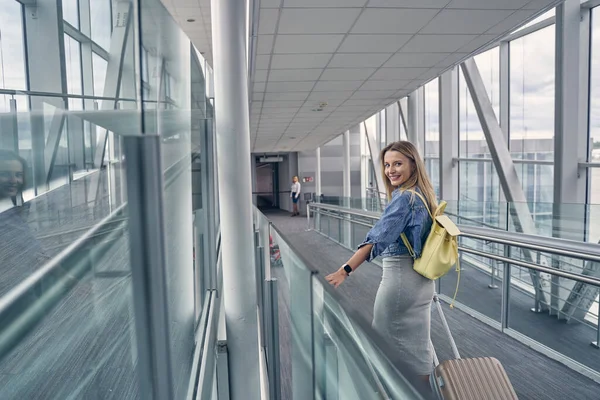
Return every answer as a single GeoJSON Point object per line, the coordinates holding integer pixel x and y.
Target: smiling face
{"type": "Point", "coordinates": [11, 178]}
{"type": "Point", "coordinates": [398, 168]}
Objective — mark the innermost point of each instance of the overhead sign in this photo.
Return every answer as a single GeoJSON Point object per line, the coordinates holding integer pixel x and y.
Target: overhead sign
{"type": "Point", "coordinates": [270, 159]}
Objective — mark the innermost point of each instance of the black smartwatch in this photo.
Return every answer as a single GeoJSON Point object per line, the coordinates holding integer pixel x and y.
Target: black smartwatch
{"type": "Point", "coordinates": [348, 269]}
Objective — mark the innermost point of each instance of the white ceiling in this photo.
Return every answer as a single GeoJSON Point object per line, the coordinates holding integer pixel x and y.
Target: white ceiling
{"type": "Point", "coordinates": [199, 30]}
{"type": "Point", "coordinates": [358, 56]}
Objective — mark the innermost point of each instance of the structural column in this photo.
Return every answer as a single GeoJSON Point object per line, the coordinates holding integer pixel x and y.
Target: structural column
{"type": "Point", "coordinates": [416, 119]}
{"type": "Point", "coordinates": [392, 123]}
{"type": "Point", "coordinates": [449, 136]}
{"type": "Point", "coordinates": [318, 174]}
{"type": "Point", "coordinates": [347, 189]}
{"type": "Point", "coordinates": [235, 194]}
{"type": "Point", "coordinates": [570, 133]}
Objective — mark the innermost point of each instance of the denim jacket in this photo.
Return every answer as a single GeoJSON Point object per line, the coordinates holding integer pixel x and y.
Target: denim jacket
{"type": "Point", "coordinates": [405, 213]}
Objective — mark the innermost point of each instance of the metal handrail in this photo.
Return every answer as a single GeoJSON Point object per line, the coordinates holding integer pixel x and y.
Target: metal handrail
{"type": "Point", "coordinates": [564, 247]}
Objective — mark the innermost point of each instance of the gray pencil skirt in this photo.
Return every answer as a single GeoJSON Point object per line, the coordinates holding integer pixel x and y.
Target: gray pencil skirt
{"type": "Point", "coordinates": [402, 313]}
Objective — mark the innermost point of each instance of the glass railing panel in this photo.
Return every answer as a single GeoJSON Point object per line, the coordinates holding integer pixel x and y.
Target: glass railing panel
{"type": "Point", "coordinates": [348, 363]}
{"type": "Point", "coordinates": [568, 328]}
{"type": "Point", "coordinates": [166, 112]}
{"type": "Point", "coordinates": [67, 330]}
{"type": "Point", "coordinates": [296, 352]}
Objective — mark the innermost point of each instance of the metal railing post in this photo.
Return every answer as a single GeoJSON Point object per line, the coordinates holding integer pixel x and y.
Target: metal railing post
{"type": "Point", "coordinates": [596, 344]}
{"type": "Point", "coordinates": [272, 338]}
{"type": "Point", "coordinates": [536, 306]}
{"type": "Point", "coordinates": [506, 278]}
{"type": "Point", "coordinates": [260, 277]}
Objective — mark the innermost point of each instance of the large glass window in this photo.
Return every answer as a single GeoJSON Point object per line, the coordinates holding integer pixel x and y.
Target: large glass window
{"type": "Point", "coordinates": [594, 119]}
{"type": "Point", "coordinates": [70, 9]}
{"type": "Point", "coordinates": [12, 49]}
{"type": "Point", "coordinates": [100, 20]}
{"type": "Point", "coordinates": [99, 66]}
{"type": "Point", "coordinates": [73, 64]}
{"type": "Point", "coordinates": [532, 95]}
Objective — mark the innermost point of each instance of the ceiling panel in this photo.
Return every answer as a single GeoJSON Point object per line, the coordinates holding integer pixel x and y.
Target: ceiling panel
{"type": "Point", "coordinates": [322, 66]}
{"type": "Point", "coordinates": [291, 61]}
{"type": "Point", "coordinates": [374, 20]}
{"type": "Point", "coordinates": [489, 4]}
{"type": "Point", "coordinates": [409, 3]}
{"type": "Point", "coordinates": [347, 74]}
{"type": "Point", "coordinates": [465, 21]}
{"type": "Point", "coordinates": [373, 43]}
{"type": "Point", "coordinates": [332, 86]}
{"type": "Point", "coordinates": [290, 44]}
{"type": "Point", "coordinates": [329, 20]}
{"type": "Point", "coordinates": [437, 43]}
{"type": "Point", "coordinates": [358, 60]}
{"type": "Point", "coordinates": [403, 59]}
{"type": "Point", "coordinates": [283, 75]}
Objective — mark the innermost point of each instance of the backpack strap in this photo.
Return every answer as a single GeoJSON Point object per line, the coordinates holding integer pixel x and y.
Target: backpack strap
{"type": "Point", "coordinates": [403, 236]}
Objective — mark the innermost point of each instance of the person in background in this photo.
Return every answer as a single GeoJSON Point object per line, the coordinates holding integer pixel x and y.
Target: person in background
{"type": "Point", "coordinates": [402, 306]}
{"type": "Point", "coordinates": [295, 195]}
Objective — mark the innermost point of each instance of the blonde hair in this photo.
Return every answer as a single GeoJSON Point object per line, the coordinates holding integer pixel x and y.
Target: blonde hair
{"type": "Point", "coordinates": [296, 178]}
{"type": "Point", "coordinates": [418, 178]}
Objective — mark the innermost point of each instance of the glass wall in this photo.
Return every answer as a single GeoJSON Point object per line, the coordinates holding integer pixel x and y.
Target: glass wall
{"type": "Point", "coordinates": [74, 307]}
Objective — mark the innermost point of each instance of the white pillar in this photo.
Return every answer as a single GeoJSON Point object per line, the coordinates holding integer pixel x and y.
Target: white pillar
{"type": "Point", "coordinates": [347, 189]}
{"type": "Point", "coordinates": [318, 174]}
{"type": "Point", "coordinates": [449, 136]}
{"type": "Point", "coordinates": [416, 119]}
{"type": "Point", "coordinates": [392, 123]}
{"type": "Point", "coordinates": [235, 194]}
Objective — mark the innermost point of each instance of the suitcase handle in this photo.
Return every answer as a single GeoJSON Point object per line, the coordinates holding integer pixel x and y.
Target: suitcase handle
{"type": "Point", "coordinates": [436, 300]}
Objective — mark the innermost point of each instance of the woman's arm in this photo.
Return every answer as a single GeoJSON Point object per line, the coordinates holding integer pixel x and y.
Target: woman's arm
{"type": "Point", "coordinates": [354, 262]}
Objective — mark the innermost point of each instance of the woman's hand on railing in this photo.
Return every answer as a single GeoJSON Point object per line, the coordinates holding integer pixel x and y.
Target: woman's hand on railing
{"type": "Point", "coordinates": [337, 278]}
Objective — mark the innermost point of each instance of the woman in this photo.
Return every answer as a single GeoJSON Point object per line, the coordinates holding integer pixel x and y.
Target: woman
{"type": "Point", "coordinates": [295, 195]}
{"type": "Point", "coordinates": [402, 305]}
{"type": "Point", "coordinates": [12, 178]}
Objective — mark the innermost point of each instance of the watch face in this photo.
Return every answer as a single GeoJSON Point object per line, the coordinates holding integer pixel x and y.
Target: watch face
{"type": "Point", "coordinates": [347, 268]}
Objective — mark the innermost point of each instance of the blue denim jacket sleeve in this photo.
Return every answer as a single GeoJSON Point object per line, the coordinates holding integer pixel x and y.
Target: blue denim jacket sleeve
{"type": "Point", "coordinates": [391, 224]}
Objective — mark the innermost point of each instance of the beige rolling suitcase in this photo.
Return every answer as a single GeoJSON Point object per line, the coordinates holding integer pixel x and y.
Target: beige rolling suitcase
{"type": "Point", "coordinates": [469, 378]}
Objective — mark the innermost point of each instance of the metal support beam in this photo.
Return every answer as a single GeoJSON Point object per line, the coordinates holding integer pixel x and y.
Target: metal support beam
{"type": "Point", "coordinates": [54, 135]}
{"type": "Point", "coordinates": [582, 296]}
{"type": "Point", "coordinates": [114, 70]}
{"type": "Point", "coordinates": [9, 129]}
{"type": "Point", "coordinates": [507, 173]}
{"type": "Point", "coordinates": [568, 220]}
{"type": "Point", "coordinates": [148, 260]}
{"type": "Point", "coordinates": [45, 60]}
{"type": "Point", "coordinates": [449, 135]}
{"type": "Point", "coordinates": [235, 194]}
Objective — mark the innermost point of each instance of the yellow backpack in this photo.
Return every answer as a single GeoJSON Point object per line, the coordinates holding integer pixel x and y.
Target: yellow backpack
{"type": "Point", "coordinates": [440, 251]}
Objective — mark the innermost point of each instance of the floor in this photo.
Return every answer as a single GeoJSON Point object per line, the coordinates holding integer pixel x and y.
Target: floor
{"type": "Point", "coordinates": [533, 375]}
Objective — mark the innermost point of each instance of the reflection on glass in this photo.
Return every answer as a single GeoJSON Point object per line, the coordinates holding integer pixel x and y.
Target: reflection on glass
{"type": "Point", "coordinates": [12, 49]}
{"type": "Point", "coordinates": [99, 66]}
{"type": "Point", "coordinates": [532, 94]}
{"type": "Point", "coordinates": [100, 20]}
{"type": "Point", "coordinates": [70, 10]}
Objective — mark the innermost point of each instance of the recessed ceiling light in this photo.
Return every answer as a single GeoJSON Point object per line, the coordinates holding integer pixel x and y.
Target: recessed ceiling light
{"type": "Point", "coordinates": [191, 20]}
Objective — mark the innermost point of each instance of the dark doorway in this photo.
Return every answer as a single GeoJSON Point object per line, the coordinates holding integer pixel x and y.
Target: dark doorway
{"type": "Point", "coordinates": [267, 185]}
